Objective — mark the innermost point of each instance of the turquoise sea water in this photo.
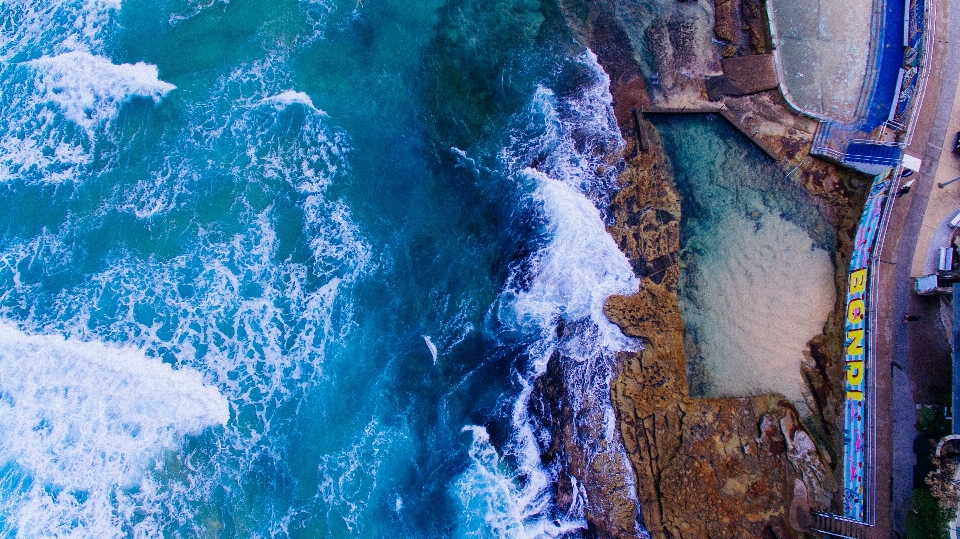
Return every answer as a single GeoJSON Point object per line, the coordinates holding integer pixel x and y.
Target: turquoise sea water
{"type": "Point", "coordinates": [289, 268]}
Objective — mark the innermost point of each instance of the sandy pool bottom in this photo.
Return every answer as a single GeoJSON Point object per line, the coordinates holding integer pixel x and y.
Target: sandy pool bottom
{"type": "Point", "coordinates": [756, 260]}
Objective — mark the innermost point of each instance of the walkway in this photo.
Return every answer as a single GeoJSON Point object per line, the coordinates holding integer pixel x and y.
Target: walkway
{"type": "Point", "coordinates": [903, 356]}
{"type": "Point", "coordinates": [942, 204]}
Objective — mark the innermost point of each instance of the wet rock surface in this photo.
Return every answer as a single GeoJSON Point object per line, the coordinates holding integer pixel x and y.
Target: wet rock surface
{"type": "Point", "coordinates": [703, 467]}
{"type": "Point", "coordinates": [745, 467]}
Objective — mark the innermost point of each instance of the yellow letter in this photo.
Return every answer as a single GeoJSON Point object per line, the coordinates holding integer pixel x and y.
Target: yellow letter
{"type": "Point", "coordinates": [858, 281]}
{"type": "Point", "coordinates": [855, 311]}
{"type": "Point", "coordinates": [854, 373]}
{"type": "Point", "coordinates": [855, 348]}
{"type": "Point", "coordinates": [855, 395]}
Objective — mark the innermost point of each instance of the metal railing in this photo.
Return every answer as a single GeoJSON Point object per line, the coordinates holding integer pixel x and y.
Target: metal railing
{"type": "Point", "coordinates": [876, 142]}
{"type": "Point", "coordinates": [930, 8]}
{"type": "Point", "coordinates": [837, 526]}
{"type": "Point", "coordinates": [876, 268]}
{"type": "Point", "coordinates": [894, 125]}
{"type": "Point", "coordinates": [829, 152]}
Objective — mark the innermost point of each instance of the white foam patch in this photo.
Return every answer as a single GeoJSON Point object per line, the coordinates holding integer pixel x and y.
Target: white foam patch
{"type": "Point", "coordinates": [34, 28]}
{"type": "Point", "coordinates": [89, 89]}
{"type": "Point", "coordinates": [494, 501]}
{"type": "Point", "coordinates": [85, 419]}
{"type": "Point", "coordinates": [258, 328]}
{"type": "Point", "coordinates": [579, 140]}
{"type": "Point", "coordinates": [431, 347]}
{"type": "Point", "coordinates": [291, 97]}
{"type": "Point", "coordinates": [61, 108]}
{"type": "Point", "coordinates": [572, 277]}
{"type": "Point", "coordinates": [579, 269]}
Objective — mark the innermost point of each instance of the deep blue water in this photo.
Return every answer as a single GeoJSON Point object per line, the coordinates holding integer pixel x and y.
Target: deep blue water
{"type": "Point", "coordinates": [288, 268]}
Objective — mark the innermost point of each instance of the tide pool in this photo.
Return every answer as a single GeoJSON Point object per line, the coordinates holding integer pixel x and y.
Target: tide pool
{"type": "Point", "coordinates": [757, 263]}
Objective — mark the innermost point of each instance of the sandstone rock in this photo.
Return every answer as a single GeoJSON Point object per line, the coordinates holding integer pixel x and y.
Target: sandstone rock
{"type": "Point", "coordinates": [730, 468]}
{"type": "Point", "coordinates": [703, 468]}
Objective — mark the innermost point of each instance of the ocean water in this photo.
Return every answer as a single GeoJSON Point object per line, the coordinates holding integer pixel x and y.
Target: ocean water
{"type": "Point", "coordinates": [757, 263]}
{"type": "Point", "coordinates": [290, 268]}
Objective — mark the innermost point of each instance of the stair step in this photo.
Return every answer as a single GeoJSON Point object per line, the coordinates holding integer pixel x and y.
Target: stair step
{"type": "Point", "coordinates": [879, 154]}
{"type": "Point", "coordinates": [835, 526]}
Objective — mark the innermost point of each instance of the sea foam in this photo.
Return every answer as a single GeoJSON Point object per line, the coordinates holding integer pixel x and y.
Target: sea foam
{"type": "Point", "coordinates": [33, 28]}
{"type": "Point", "coordinates": [49, 94]}
{"type": "Point", "coordinates": [579, 269]}
{"type": "Point", "coordinates": [90, 89]}
{"type": "Point", "coordinates": [291, 97]}
{"type": "Point", "coordinates": [573, 140]}
{"type": "Point", "coordinates": [494, 500]}
{"type": "Point", "coordinates": [84, 421]}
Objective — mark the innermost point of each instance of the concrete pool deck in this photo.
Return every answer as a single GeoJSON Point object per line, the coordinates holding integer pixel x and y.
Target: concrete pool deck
{"type": "Point", "coordinates": [825, 53]}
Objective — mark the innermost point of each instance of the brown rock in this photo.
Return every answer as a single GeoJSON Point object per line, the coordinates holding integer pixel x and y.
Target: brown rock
{"type": "Point", "coordinates": [750, 74]}
{"type": "Point", "coordinates": [738, 468]}
{"type": "Point", "coordinates": [728, 25]}
{"type": "Point", "coordinates": [703, 468]}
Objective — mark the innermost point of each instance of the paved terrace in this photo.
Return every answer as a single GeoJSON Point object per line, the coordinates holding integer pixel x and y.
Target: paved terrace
{"type": "Point", "coordinates": [921, 362]}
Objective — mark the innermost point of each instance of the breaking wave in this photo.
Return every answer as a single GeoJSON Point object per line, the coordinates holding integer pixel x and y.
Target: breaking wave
{"type": "Point", "coordinates": [83, 424]}
{"type": "Point", "coordinates": [553, 302]}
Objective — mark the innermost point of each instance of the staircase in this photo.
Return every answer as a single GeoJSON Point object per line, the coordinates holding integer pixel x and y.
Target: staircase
{"type": "Point", "coordinates": [832, 526]}
{"type": "Point", "coordinates": [821, 143]}
{"type": "Point", "coordinates": [872, 154]}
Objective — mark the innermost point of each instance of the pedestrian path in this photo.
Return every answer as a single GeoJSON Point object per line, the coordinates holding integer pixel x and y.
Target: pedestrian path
{"type": "Point", "coordinates": [943, 203]}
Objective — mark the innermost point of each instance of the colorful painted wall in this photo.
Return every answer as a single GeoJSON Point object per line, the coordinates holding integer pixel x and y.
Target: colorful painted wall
{"type": "Point", "coordinates": [859, 360]}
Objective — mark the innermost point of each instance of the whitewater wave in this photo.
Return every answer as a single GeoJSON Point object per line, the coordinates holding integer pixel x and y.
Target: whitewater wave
{"type": "Point", "coordinates": [553, 301]}
{"type": "Point", "coordinates": [575, 139]}
{"type": "Point", "coordinates": [83, 422]}
{"type": "Point", "coordinates": [89, 89]}
{"type": "Point", "coordinates": [232, 302]}
{"type": "Point", "coordinates": [59, 86]}
{"type": "Point", "coordinates": [60, 107]}
{"type": "Point", "coordinates": [34, 28]}
{"type": "Point", "coordinates": [576, 272]}
{"type": "Point", "coordinates": [496, 501]}
{"type": "Point", "coordinates": [291, 97]}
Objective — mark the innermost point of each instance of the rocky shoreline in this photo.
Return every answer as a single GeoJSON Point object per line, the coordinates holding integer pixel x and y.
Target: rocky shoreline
{"type": "Point", "coordinates": [744, 467]}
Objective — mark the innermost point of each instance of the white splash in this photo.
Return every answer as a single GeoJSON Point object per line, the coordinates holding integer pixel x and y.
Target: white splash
{"type": "Point", "coordinates": [493, 499]}
{"type": "Point", "coordinates": [580, 268]}
{"type": "Point", "coordinates": [84, 420]}
{"type": "Point", "coordinates": [291, 97]}
{"type": "Point", "coordinates": [432, 347]}
{"type": "Point", "coordinates": [89, 89]}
